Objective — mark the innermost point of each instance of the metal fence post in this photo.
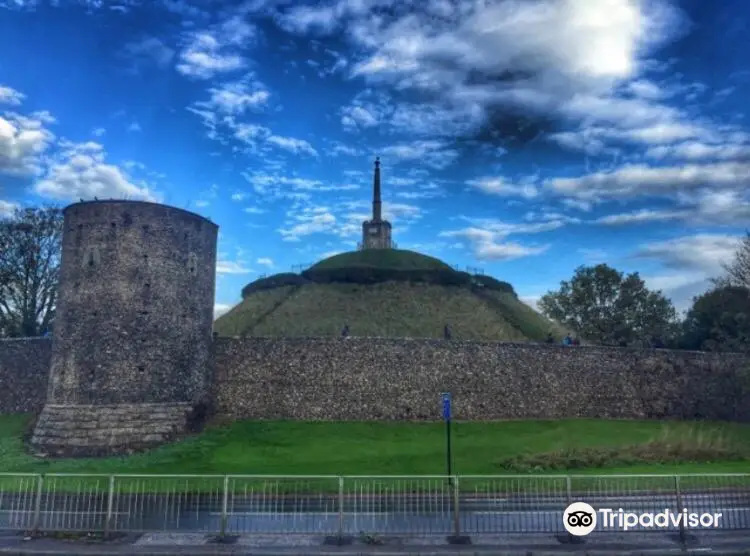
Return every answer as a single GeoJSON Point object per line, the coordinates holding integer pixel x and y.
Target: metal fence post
{"type": "Point", "coordinates": [37, 505]}
{"type": "Point", "coordinates": [569, 501]}
{"type": "Point", "coordinates": [341, 508]}
{"type": "Point", "coordinates": [456, 509]}
{"type": "Point", "coordinates": [224, 507]}
{"type": "Point", "coordinates": [110, 504]}
{"type": "Point", "coordinates": [680, 508]}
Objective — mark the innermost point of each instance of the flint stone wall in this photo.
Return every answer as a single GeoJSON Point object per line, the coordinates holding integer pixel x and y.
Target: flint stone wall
{"type": "Point", "coordinates": [389, 379]}
{"type": "Point", "coordinates": [135, 305]}
{"type": "Point", "coordinates": [24, 371]}
{"type": "Point", "coordinates": [392, 379]}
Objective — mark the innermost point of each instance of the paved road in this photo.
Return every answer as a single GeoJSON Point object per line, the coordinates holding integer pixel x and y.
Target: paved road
{"type": "Point", "coordinates": [317, 514]}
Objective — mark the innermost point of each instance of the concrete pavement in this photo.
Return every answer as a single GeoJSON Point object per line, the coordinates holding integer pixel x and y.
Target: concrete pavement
{"type": "Point", "coordinates": [161, 544]}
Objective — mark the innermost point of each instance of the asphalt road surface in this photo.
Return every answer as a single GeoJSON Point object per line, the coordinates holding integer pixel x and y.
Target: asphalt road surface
{"type": "Point", "coordinates": [318, 514]}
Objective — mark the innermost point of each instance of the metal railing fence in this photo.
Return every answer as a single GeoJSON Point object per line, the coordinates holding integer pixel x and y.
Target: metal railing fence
{"type": "Point", "coordinates": [352, 505]}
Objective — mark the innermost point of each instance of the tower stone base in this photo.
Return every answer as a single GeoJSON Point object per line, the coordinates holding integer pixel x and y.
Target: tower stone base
{"type": "Point", "coordinates": [104, 430]}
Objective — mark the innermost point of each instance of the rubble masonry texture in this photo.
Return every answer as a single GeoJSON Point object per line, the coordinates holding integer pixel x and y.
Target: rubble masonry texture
{"type": "Point", "coordinates": [133, 323]}
{"type": "Point", "coordinates": [372, 379]}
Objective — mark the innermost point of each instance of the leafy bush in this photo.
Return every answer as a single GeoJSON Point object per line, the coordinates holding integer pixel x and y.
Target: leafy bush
{"type": "Point", "coordinates": [374, 275]}
{"type": "Point", "coordinates": [363, 274]}
{"type": "Point", "coordinates": [272, 282]}
{"type": "Point", "coordinates": [695, 446]}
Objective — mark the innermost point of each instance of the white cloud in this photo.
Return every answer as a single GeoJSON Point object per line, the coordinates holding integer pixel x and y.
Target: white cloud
{"type": "Point", "coordinates": [134, 127]}
{"type": "Point", "coordinates": [368, 109]}
{"type": "Point", "coordinates": [254, 210]}
{"type": "Point", "coordinates": [265, 261]}
{"type": "Point", "coordinates": [343, 219]}
{"type": "Point", "coordinates": [475, 58]}
{"type": "Point", "coordinates": [644, 88]}
{"type": "Point", "coordinates": [237, 97]}
{"type": "Point", "coordinates": [80, 171]}
{"type": "Point", "coordinates": [356, 116]}
{"type": "Point", "coordinates": [531, 301]}
{"type": "Point", "coordinates": [99, 132]}
{"type": "Point", "coordinates": [491, 251]}
{"type": "Point", "coordinates": [150, 48]}
{"type": "Point", "coordinates": [640, 216]}
{"type": "Point", "coordinates": [695, 151]}
{"type": "Point", "coordinates": [292, 145]}
{"type": "Point", "coordinates": [256, 138]}
{"type": "Point", "coordinates": [436, 154]}
{"type": "Point", "coordinates": [23, 140]}
{"type": "Point", "coordinates": [635, 180]}
{"type": "Point", "coordinates": [220, 309]}
{"type": "Point", "coordinates": [487, 237]}
{"type": "Point", "coordinates": [215, 51]}
{"type": "Point", "coordinates": [559, 48]}
{"type": "Point", "coordinates": [342, 149]}
{"type": "Point", "coordinates": [276, 184]}
{"type": "Point", "coordinates": [577, 204]}
{"type": "Point", "coordinates": [606, 139]}
{"type": "Point", "coordinates": [704, 207]}
{"type": "Point", "coordinates": [690, 262]}
{"type": "Point", "coordinates": [702, 252]}
{"type": "Point", "coordinates": [231, 267]}
{"type": "Point", "coordinates": [10, 96]}
{"type": "Point", "coordinates": [311, 223]}
{"type": "Point", "coordinates": [7, 208]}
{"type": "Point", "coordinates": [203, 59]}
{"type": "Point", "coordinates": [501, 187]}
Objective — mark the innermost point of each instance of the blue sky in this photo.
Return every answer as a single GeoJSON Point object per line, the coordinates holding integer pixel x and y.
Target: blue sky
{"type": "Point", "coordinates": [524, 138]}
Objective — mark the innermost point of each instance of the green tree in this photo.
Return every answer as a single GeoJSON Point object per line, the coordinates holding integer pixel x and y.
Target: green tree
{"type": "Point", "coordinates": [719, 320]}
{"type": "Point", "coordinates": [737, 271]}
{"type": "Point", "coordinates": [30, 247]}
{"type": "Point", "coordinates": [606, 307]}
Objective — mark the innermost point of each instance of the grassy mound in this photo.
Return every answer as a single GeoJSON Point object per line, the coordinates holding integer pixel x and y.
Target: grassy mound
{"type": "Point", "coordinates": [400, 448]}
{"type": "Point", "coordinates": [389, 309]}
{"type": "Point", "coordinates": [387, 293]}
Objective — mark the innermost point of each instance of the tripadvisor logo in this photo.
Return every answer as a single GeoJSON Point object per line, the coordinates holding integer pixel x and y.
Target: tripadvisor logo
{"type": "Point", "coordinates": [580, 519]}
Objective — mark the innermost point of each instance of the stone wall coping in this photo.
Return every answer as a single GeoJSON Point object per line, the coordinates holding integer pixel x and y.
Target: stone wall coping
{"type": "Point", "coordinates": [440, 341]}
{"type": "Point", "coordinates": [117, 405]}
{"type": "Point", "coordinates": [26, 339]}
{"type": "Point", "coordinates": [193, 215]}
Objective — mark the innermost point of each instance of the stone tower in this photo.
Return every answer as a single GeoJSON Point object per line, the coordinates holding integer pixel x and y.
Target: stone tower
{"type": "Point", "coordinates": [376, 233]}
{"type": "Point", "coordinates": [133, 328]}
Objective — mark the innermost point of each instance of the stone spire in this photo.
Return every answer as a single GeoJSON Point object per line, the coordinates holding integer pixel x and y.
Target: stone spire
{"type": "Point", "coordinates": [376, 205]}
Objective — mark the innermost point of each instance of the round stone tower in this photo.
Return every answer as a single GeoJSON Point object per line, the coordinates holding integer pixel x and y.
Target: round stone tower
{"type": "Point", "coordinates": [133, 328]}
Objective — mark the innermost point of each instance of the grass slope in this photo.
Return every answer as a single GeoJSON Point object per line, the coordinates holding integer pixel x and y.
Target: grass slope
{"type": "Point", "coordinates": [399, 259]}
{"type": "Point", "coordinates": [242, 318]}
{"type": "Point", "coordinates": [389, 309]}
{"type": "Point", "coordinates": [315, 448]}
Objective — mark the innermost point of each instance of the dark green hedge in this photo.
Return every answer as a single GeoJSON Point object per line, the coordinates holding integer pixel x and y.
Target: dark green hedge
{"type": "Point", "coordinates": [375, 275]}
{"type": "Point", "coordinates": [492, 284]}
{"type": "Point", "coordinates": [273, 282]}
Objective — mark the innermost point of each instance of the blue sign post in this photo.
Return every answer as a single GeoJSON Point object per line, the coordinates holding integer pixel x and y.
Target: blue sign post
{"type": "Point", "coordinates": [446, 406]}
{"type": "Point", "coordinates": [446, 397]}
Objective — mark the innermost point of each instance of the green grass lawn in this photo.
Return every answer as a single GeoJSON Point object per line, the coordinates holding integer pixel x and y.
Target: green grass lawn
{"type": "Point", "coordinates": [315, 448]}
